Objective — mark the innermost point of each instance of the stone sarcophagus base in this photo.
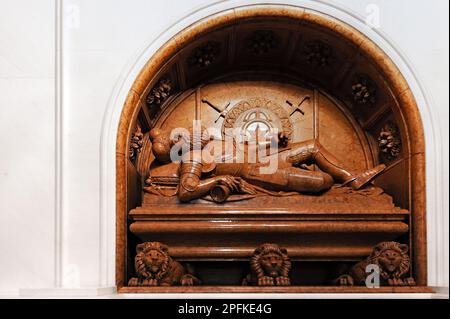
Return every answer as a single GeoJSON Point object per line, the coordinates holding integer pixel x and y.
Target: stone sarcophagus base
{"type": "Point", "coordinates": [341, 224]}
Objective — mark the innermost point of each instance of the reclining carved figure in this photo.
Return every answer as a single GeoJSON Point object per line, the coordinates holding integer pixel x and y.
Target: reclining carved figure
{"type": "Point", "coordinates": [196, 179]}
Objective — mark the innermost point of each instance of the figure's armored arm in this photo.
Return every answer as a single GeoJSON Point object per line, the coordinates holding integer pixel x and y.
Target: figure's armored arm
{"type": "Point", "coordinates": [193, 187]}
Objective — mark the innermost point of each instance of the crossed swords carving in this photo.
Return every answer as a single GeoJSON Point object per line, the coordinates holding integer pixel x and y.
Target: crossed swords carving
{"type": "Point", "coordinates": [297, 108]}
{"type": "Point", "coordinates": [224, 110]}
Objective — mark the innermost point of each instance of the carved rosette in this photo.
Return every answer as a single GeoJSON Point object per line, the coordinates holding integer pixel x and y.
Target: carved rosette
{"type": "Point", "coordinates": [158, 94]}
{"type": "Point", "coordinates": [205, 55]}
{"type": "Point", "coordinates": [262, 41]}
{"type": "Point", "coordinates": [389, 142]}
{"type": "Point", "coordinates": [363, 90]}
{"type": "Point", "coordinates": [318, 54]}
{"type": "Point", "coordinates": [270, 266]}
{"type": "Point", "coordinates": [136, 143]}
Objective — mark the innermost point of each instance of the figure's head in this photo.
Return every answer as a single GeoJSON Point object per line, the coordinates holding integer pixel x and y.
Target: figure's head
{"type": "Point", "coordinates": [391, 257]}
{"type": "Point", "coordinates": [152, 260]}
{"type": "Point", "coordinates": [186, 140]}
{"type": "Point", "coordinates": [161, 144]}
{"type": "Point", "coordinates": [270, 260]}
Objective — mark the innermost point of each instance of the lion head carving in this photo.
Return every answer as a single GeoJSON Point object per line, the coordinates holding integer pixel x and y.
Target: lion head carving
{"type": "Point", "coordinates": [154, 267]}
{"type": "Point", "coordinates": [392, 258]}
{"type": "Point", "coordinates": [270, 265]}
{"type": "Point", "coordinates": [152, 260]}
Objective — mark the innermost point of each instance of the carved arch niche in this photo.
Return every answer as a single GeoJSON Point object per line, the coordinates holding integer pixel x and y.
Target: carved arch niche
{"type": "Point", "coordinates": [315, 78]}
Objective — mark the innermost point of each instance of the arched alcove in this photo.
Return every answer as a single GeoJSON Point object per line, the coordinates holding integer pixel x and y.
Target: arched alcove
{"type": "Point", "coordinates": [274, 52]}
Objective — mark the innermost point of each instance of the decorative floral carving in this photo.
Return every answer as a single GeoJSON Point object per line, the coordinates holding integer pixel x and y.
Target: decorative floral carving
{"type": "Point", "coordinates": [363, 90]}
{"type": "Point", "coordinates": [270, 266]}
{"type": "Point", "coordinates": [160, 92]}
{"type": "Point", "coordinates": [318, 54]}
{"type": "Point", "coordinates": [262, 41]}
{"type": "Point", "coordinates": [389, 141]}
{"type": "Point", "coordinates": [136, 143]}
{"type": "Point", "coordinates": [205, 55]}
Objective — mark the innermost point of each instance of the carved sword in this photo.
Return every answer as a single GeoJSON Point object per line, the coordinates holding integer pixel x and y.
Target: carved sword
{"type": "Point", "coordinates": [222, 112]}
{"type": "Point", "coordinates": [297, 108]}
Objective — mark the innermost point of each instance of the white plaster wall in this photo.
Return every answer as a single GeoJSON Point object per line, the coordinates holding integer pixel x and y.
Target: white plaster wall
{"type": "Point", "coordinates": [27, 125]}
{"type": "Point", "coordinates": [103, 43]}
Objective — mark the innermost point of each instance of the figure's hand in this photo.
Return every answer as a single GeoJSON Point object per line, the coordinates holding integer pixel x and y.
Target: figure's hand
{"type": "Point", "coordinates": [345, 280]}
{"type": "Point", "coordinates": [233, 183]}
{"type": "Point", "coordinates": [236, 184]}
{"type": "Point", "coordinates": [265, 281]}
{"type": "Point", "coordinates": [246, 188]}
{"type": "Point", "coordinates": [283, 281]}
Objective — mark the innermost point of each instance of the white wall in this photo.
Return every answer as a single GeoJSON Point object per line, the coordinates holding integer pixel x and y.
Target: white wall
{"type": "Point", "coordinates": [27, 126]}
{"type": "Point", "coordinates": [103, 44]}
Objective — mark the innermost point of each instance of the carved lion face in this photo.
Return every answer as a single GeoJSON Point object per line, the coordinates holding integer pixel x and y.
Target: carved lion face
{"type": "Point", "coordinates": [271, 263]}
{"type": "Point", "coordinates": [154, 260]}
{"type": "Point", "coordinates": [390, 260]}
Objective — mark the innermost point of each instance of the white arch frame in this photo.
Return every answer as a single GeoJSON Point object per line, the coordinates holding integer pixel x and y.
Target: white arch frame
{"type": "Point", "coordinates": [437, 220]}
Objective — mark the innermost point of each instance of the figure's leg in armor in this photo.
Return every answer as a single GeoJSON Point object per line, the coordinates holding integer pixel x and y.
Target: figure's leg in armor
{"type": "Point", "coordinates": [288, 179]}
{"type": "Point", "coordinates": [312, 152]}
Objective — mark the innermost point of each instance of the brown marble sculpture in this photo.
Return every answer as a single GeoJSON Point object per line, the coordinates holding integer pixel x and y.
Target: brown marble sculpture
{"type": "Point", "coordinates": [393, 262]}
{"type": "Point", "coordinates": [154, 267]}
{"type": "Point", "coordinates": [270, 266]}
{"type": "Point", "coordinates": [222, 177]}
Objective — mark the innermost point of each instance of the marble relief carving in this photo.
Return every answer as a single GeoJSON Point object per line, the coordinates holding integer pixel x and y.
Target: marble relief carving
{"type": "Point", "coordinates": [389, 142]}
{"type": "Point", "coordinates": [392, 261]}
{"type": "Point", "coordinates": [323, 203]}
{"type": "Point", "coordinates": [318, 54]}
{"type": "Point", "coordinates": [205, 55]}
{"type": "Point", "coordinates": [262, 41]}
{"type": "Point", "coordinates": [270, 266]}
{"type": "Point", "coordinates": [160, 92]}
{"type": "Point", "coordinates": [136, 143]}
{"type": "Point", "coordinates": [155, 267]}
{"type": "Point", "coordinates": [363, 90]}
